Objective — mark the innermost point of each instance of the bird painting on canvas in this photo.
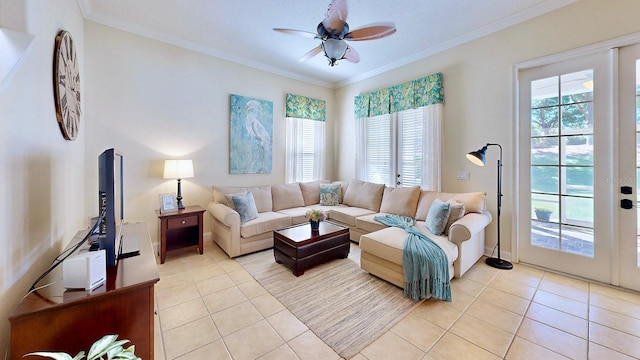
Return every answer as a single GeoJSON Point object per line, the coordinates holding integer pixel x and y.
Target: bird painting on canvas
{"type": "Point", "coordinates": [251, 143]}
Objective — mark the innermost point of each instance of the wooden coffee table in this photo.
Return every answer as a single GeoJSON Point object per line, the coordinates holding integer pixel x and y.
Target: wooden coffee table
{"type": "Point", "coordinates": [298, 248]}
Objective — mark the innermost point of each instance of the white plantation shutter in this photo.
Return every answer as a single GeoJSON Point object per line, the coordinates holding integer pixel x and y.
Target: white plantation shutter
{"type": "Point", "coordinates": [410, 145]}
{"type": "Point", "coordinates": [304, 150]}
{"type": "Point", "coordinates": [379, 150]}
{"type": "Point", "coordinates": [401, 149]}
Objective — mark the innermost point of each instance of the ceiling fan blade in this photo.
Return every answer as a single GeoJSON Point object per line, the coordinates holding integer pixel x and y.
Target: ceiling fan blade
{"type": "Point", "coordinates": [313, 52]}
{"type": "Point", "coordinates": [297, 32]}
{"type": "Point", "coordinates": [336, 16]}
{"type": "Point", "coordinates": [371, 32]}
{"type": "Point", "coordinates": [351, 55]}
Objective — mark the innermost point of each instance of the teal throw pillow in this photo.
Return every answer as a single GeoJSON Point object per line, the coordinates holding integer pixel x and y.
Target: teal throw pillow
{"type": "Point", "coordinates": [330, 194]}
{"type": "Point", "coordinates": [245, 205]}
{"type": "Point", "coordinates": [438, 216]}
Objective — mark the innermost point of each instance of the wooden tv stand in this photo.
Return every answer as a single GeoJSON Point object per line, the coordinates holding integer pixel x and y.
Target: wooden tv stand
{"type": "Point", "coordinates": [58, 319]}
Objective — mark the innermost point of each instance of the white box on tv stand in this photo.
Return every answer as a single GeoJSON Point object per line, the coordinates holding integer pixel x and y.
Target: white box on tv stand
{"type": "Point", "coordinates": [85, 271]}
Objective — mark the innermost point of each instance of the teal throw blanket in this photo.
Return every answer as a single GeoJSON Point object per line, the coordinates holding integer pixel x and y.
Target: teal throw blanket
{"type": "Point", "coordinates": [426, 269]}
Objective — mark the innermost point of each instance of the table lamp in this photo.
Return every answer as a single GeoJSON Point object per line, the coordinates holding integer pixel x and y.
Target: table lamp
{"type": "Point", "coordinates": [178, 169]}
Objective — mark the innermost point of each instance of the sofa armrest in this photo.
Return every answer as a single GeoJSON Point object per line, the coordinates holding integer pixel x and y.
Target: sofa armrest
{"type": "Point", "coordinates": [224, 214]}
{"type": "Point", "coordinates": [470, 224]}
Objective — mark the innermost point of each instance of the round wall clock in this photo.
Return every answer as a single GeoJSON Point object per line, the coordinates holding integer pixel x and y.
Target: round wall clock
{"type": "Point", "coordinates": [66, 85]}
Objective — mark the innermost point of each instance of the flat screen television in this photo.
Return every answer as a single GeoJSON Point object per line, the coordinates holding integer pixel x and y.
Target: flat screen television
{"type": "Point", "coordinates": [110, 203]}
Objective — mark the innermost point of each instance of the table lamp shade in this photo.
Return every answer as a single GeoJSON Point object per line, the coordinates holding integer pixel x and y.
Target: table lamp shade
{"type": "Point", "coordinates": [178, 169]}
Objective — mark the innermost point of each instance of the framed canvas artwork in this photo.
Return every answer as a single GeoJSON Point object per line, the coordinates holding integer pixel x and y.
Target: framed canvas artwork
{"type": "Point", "coordinates": [251, 136]}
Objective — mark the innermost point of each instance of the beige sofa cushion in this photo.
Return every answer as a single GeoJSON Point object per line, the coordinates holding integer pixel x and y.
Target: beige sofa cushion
{"type": "Point", "coordinates": [400, 201]}
{"type": "Point", "coordinates": [229, 199]}
{"type": "Point", "coordinates": [388, 243]}
{"type": "Point", "coordinates": [311, 191]}
{"type": "Point", "coordinates": [347, 215]}
{"type": "Point", "coordinates": [474, 202]}
{"type": "Point", "coordinates": [343, 188]}
{"type": "Point", "coordinates": [367, 223]}
{"type": "Point", "coordinates": [261, 195]}
{"type": "Point", "coordinates": [286, 196]}
{"type": "Point", "coordinates": [265, 223]}
{"type": "Point", "coordinates": [363, 195]}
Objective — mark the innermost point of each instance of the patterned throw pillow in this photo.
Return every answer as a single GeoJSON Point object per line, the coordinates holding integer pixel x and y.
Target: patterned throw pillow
{"type": "Point", "coordinates": [245, 205]}
{"type": "Point", "coordinates": [438, 216]}
{"type": "Point", "coordinates": [329, 194]}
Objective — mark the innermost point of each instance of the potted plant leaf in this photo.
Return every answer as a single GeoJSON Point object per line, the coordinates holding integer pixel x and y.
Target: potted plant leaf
{"type": "Point", "coordinates": [106, 348]}
{"type": "Point", "coordinates": [543, 213]}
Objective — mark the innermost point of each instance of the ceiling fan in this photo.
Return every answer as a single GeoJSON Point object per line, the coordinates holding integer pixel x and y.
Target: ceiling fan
{"type": "Point", "coordinates": [334, 32]}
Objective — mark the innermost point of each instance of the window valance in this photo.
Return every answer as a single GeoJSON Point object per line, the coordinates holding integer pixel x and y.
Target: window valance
{"type": "Point", "coordinates": [424, 91]}
{"type": "Point", "coordinates": [303, 107]}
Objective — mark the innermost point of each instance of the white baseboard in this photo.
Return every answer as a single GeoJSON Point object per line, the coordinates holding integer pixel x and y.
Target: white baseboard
{"type": "Point", "coordinates": [489, 252]}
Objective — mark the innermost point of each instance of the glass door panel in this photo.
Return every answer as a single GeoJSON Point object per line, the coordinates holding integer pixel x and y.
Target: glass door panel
{"type": "Point", "coordinates": [565, 115]}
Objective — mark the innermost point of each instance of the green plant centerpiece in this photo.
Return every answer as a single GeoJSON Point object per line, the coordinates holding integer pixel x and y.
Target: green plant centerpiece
{"type": "Point", "coordinates": [106, 348]}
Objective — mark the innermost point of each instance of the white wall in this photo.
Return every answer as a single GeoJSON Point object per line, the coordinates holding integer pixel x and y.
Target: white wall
{"type": "Point", "coordinates": [42, 204]}
{"type": "Point", "coordinates": [154, 101]}
{"type": "Point", "coordinates": [478, 83]}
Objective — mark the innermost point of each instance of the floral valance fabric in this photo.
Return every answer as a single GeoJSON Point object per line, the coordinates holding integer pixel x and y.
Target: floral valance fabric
{"type": "Point", "coordinates": [303, 107]}
{"type": "Point", "coordinates": [410, 95]}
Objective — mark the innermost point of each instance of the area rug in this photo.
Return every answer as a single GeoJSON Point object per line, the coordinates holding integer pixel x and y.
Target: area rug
{"type": "Point", "coordinates": [342, 304]}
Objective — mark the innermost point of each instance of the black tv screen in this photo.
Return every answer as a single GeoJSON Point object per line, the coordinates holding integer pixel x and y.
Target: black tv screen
{"type": "Point", "coordinates": [110, 202]}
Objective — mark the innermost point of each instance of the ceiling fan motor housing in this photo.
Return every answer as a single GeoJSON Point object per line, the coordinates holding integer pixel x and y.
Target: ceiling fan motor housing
{"type": "Point", "coordinates": [324, 34]}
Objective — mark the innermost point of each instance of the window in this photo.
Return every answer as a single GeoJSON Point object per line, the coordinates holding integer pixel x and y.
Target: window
{"type": "Point", "coordinates": [396, 148]}
{"type": "Point", "coordinates": [304, 150]}
{"type": "Point", "coordinates": [398, 134]}
{"type": "Point", "coordinates": [304, 141]}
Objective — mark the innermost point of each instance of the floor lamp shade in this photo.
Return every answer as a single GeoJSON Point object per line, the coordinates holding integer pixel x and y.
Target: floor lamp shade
{"type": "Point", "coordinates": [479, 158]}
{"type": "Point", "coordinates": [178, 169]}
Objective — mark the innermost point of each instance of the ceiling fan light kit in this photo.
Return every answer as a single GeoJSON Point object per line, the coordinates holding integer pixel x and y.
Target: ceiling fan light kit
{"type": "Point", "coordinates": [334, 50]}
{"type": "Point", "coordinates": [333, 31]}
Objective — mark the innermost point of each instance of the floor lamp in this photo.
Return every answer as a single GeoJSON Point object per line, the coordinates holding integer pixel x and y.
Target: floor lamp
{"type": "Point", "coordinates": [479, 158]}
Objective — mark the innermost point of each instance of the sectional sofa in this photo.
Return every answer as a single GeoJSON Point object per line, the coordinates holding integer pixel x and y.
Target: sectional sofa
{"type": "Point", "coordinates": [243, 219]}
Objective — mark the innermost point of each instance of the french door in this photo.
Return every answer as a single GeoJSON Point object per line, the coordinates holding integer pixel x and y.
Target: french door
{"type": "Point", "coordinates": [565, 136]}
{"type": "Point", "coordinates": [628, 172]}
{"type": "Point", "coordinates": [578, 160]}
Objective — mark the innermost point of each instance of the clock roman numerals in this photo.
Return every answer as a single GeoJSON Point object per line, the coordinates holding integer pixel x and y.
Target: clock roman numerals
{"type": "Point", "coordinates": [67, 86]}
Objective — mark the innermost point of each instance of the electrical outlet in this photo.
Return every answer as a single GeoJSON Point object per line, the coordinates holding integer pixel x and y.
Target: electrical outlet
{"type": "Point", "coordinates": [462, 175]}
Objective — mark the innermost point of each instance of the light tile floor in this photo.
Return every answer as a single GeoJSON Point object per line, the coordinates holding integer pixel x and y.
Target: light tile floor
{"type": "Point", "coordinates": [209, 307]}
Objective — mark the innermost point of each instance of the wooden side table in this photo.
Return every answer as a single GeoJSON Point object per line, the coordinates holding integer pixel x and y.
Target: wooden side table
{"type": "Point", "coordinates": [181, 229]}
